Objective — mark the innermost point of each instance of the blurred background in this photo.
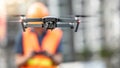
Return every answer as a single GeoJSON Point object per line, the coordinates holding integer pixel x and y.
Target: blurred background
{"type": "Point", "coordinates": [95, 45]}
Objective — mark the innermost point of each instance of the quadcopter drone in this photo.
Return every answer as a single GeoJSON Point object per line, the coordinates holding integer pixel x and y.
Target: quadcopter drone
{"type": "Point", "coordinates": [50, 22]}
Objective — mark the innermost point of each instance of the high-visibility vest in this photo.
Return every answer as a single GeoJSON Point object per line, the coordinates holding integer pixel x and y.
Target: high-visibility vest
{"type": "Point", "coordinates": [49, 43]}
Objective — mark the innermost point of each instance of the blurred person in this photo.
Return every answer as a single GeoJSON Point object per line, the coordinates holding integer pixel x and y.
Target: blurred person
{"type": "Point", "coordinates": [3, 27]}
{"type": "Point", "coordinates": [37, 47]}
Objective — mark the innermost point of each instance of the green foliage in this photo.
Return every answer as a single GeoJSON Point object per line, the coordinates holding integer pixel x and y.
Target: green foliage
{"type": "Point", "coordinates": [86, 54]}
{"type": "Point", "coordinates": [106, 53]}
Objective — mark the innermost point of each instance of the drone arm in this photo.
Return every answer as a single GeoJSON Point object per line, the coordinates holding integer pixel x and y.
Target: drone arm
{"type": "Point", "coordinates": [78, 22]}
{"type": "Point", "coordinates": [65, 25]}
{"type": "Point", "coordinates": [72, 21]}
{"type": "Point", "coordinates": [23, 26]}
{"type": "Point", "coordinates": [66, 20]}
{"type": "Point", "coordinates": [33, 25]}
{"type": "Point", "coordinates": [32, 20]}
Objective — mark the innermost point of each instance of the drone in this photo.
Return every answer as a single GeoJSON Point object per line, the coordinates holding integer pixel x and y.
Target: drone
{"type": "Point", "coordinates": [50, 22]}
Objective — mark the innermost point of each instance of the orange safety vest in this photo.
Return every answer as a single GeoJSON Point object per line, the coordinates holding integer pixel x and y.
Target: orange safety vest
{"type": "Point", "coordinates": [49, 43]}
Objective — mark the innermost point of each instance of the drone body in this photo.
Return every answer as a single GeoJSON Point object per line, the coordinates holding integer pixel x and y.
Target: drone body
{"type": "Point", "coordinates": [50, 22]}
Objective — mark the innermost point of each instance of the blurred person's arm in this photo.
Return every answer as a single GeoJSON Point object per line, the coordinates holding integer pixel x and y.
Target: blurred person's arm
{"type": "Point", "coordinates": [19, 57]}
{"type": "Point", "coordinates": [58, 58]}
{"type": "Point", "coordinates": [20, 60]}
